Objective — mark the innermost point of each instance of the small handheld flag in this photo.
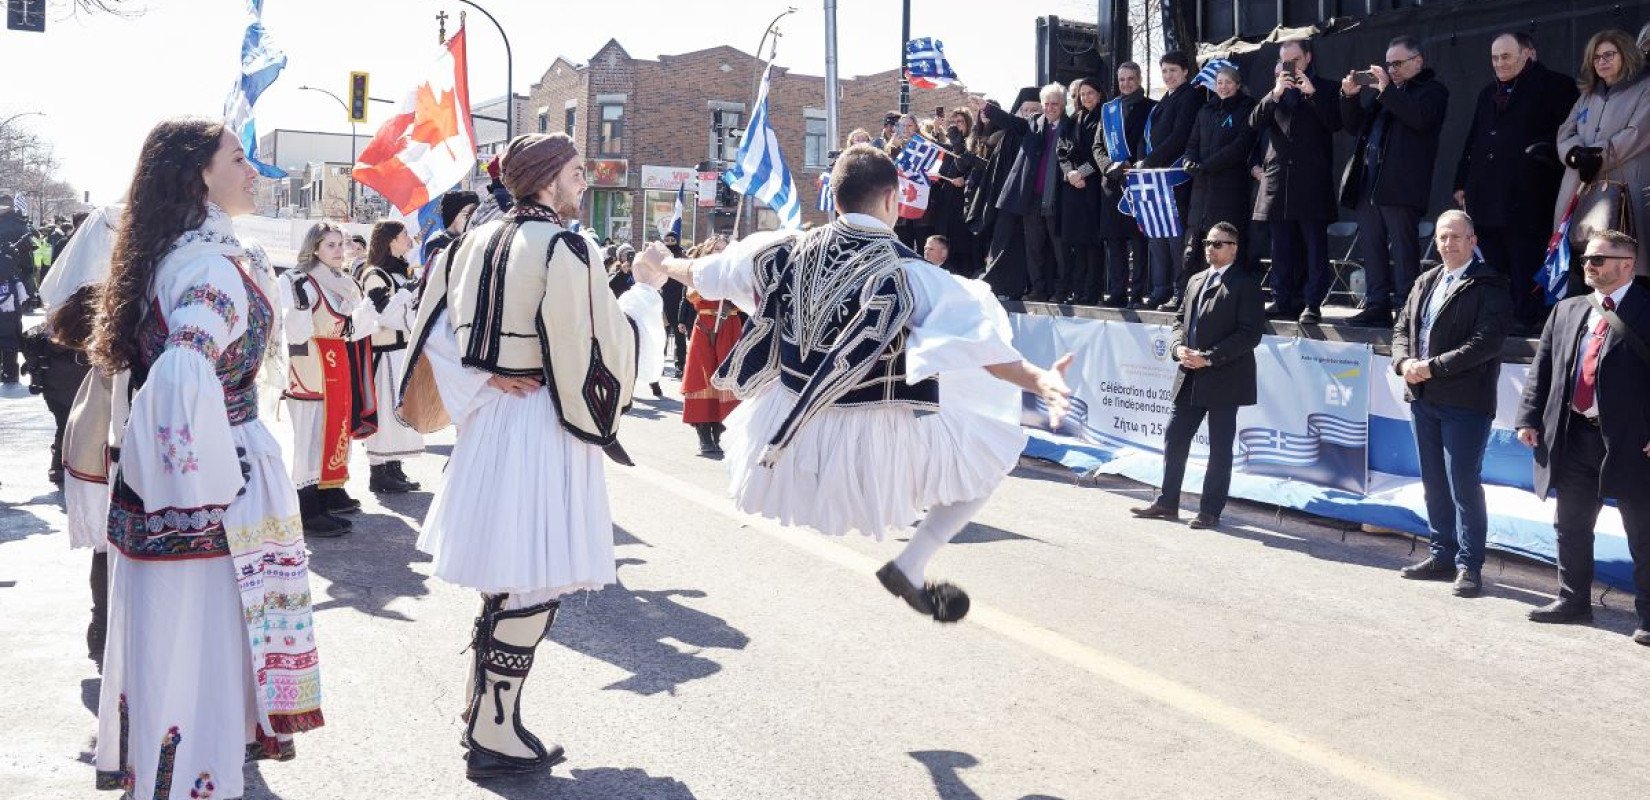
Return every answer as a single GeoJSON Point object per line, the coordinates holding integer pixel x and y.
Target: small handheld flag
{"type": "Point", "coordinates": [1206, 76]}
{"type": "Point", "coordinates": [925, 64]}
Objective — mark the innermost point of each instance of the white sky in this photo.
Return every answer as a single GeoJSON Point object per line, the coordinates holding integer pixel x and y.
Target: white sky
{"type": "Point", "coordinates": [103, 81]}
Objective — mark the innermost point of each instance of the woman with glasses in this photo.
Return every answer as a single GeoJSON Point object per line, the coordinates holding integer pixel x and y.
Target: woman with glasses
{"type": "Point", "coordinates": [1607, 134]}
{"type": "Point", "coordinates": [1217, 158]}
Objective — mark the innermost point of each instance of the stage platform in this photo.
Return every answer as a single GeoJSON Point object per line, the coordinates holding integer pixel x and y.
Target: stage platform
{"type": "Point", "coordinates": [1517, 350]}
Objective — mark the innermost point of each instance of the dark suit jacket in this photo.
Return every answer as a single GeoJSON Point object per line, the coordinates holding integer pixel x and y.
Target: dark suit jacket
{"type": "Point", "coordinates": [1464, 344]}
{"type": "Point", "coordinates": [1228, 329]}
{"type": "Point", "coordinates": [1170, 125]}
{"type": "Point", "coordinates": [1509, 165]}
{"type": "Point", "coordinates": [1409, 145]}
{"type": "Point", "coordinates": [1623, 385]}
{"type": "Point", "coordinates": [1020, 188]}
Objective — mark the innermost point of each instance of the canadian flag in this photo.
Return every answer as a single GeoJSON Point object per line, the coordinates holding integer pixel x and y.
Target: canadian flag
{"type": "Point", "coordinates": [430, 144]}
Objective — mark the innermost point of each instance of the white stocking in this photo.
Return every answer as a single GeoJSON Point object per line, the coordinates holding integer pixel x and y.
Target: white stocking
{"type": "Point", "coordinates": [939, 527]}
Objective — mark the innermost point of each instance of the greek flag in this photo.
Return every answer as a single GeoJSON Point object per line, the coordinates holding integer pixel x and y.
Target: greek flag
{"type": "Point", "coordinates": [1149, 197]}
{"type": "Point", "coordinates": [1206, 76]}
{"type": "Point", "coordinates": [925, 64]}
{"type": "Point", "coordinates": [918, 158]}
{"type": "Point", "coordinates": [1555, 272]}
{"type": "Point", "coordinates": [1267, 446]}
{"type": "Point", "coordinates": [760, 170]}
{"type": "Point", "coordinates": [674, 225]}
{"type": "Point", "coordinates": [261, 63]}
{"type": "Point", "coordinates": [20, 204]}
{"type": "Point", "coordinates": [827, 198]}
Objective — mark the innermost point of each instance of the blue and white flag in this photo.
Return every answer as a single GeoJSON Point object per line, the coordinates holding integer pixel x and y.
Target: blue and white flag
{"type": "Point", "coordinates": [827, 198]}
{"type": "Point", "coordinates": [1111, 127]}
{"type": "Point", "coordinates": [1555, 272]}
{"type": "Point", "coordinates": [1206, 76]}
{"type": "Point", "coordinates": [760, 171]}
{"type": "Point", "coordinates": [1148, 196]}
{"type": "Point", "coordinates": [673, 226]}
{"type": "Point", "coordinates": [20, 204]}
{"type": "Point", "coordinates": [261, 63]}
{"type": "Point", "coordinates": [918, 158]}
{"type": "Point", "coordinates": [925, 64]}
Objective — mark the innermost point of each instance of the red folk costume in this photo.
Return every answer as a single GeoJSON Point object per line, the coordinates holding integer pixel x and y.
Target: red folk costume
{"type": "Point", "coordinates": [330, 365]}
{"type": "Point", "coordinates": [703, 403]}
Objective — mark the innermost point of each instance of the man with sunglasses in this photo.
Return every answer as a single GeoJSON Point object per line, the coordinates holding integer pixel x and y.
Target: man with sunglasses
{"type": "Point", "coordinates": [1389, 178]}
{"type": "Point", "coordinates": [1447, 346]}
{"type": "Point", "coordinates": [1584, 413]}
{"type": "Point", "coordinates": [1215, 335]}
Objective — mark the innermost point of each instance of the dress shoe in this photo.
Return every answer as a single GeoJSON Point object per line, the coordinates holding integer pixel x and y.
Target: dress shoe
{"type": "Point", "coordinates": [1372, 318]}
{"type": "Point", "coordinates": [1279, 311]}
{"type": "Point", "coordinates": [1115, 302]}
{"type": "Point", "coordinates": [1468, 583]}
{"type": "Point", "coordinates": [1432, 569]}
{"type": "Point", "coordinates": [1642, 636]}
{"type": "Point", "coordinates": [1170, 305]}
{"type": "Point", "coordinates": [944, 602]}
{"type": "Point", "coordinates": [1310, 316]}
{"type": "Point", "coordinates": [1563, 611]}
{"type": "Point", "coordinates": [1155, 511]}
{"type": "Point", "coordinates": [1204, 522]}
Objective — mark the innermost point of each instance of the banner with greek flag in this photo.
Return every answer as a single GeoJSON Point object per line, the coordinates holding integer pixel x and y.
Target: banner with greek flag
{"type": "Point", "coordinates": [918, 158]}
{"type": "Point", "coordinates": [261, 64]}
{"type": "Point", "coordinates": [1206, 76]}
{"type": "Point", "coordinates": [759, 170]}
{"type": "Point", "coordinates": [925, 64]}
{"type": "Point", "coordinates": [1148, 196]}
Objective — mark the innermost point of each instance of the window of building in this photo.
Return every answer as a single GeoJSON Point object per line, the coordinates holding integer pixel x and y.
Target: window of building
{"type": "Point", "coordinates": [572, 120]}
{"type": "Point", "coordinates": [815, 147]}
{"type": "Point", "coordinates": [611, 136]}
{"type": "Point", "coordinates": [726, 127]}
{"type": "Point", "coordinates": [544, 122]}
{"type": "Point", "coordinates": [610, 215]}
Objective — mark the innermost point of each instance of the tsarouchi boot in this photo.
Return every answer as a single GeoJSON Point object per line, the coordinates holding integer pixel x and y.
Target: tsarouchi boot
{"type": "Point", "coordinates": [505, 642]}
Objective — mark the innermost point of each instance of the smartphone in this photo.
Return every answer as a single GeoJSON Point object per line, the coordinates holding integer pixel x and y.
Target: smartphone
{"type": "Point", "coordinates": [1364, 78]}
{"type": "Point", "coordinates": [1289, 68]}
{"type": "Point", "coordinates": [939, 112]}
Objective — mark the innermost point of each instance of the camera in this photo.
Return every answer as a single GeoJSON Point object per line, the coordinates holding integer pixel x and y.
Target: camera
{"type": "Point", "coordinates": [1364, 78]}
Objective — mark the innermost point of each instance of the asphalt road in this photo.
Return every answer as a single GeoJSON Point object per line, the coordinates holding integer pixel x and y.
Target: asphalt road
{"type": "Point", "coordinates": [1104, 658]}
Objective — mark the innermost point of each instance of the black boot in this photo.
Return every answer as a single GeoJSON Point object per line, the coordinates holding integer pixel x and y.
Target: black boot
{"type": "Point", "coordinates": [99, 626]}
{"type": "Point", "coordinates": [505, 642]}
{"type": "Point", "coordinates": [317, 522]}
{"type": "Point", "coordinates": [385, 481]}
{"type": "Point", "coordinates": [708, 447]}
{"type": "Point", "coordinates": [412, 485]}
{"type": "Point", "coordinates": [336, 501]}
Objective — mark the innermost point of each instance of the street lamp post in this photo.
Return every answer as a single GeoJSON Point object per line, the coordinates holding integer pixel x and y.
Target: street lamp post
{"type": "Point", "coordinates": [353, 139]}
{"type": "Point", "coordinates": [509, 75]}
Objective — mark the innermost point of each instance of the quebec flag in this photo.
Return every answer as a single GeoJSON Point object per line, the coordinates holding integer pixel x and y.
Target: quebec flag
{"type": "Point", "coordinates": [261, 63]}
{"type": "Point", "coordinates": [925, 64]}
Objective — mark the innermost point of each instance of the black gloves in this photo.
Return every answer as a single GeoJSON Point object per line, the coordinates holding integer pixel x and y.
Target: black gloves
{"type": "Point", "coordinates": [1192, 168]}
{"type": "Point", "coordinates": [1543, 153]}
{"type": "Point", "coordinates": [1586, 161]}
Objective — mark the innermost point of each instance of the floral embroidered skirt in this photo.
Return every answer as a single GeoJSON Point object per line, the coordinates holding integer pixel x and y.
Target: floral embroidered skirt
{"type": "Point", "coordinates": [211, 662]}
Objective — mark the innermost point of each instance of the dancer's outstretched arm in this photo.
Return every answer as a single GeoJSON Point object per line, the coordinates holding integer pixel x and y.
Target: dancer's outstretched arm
{"type": "Point", "coordinates": [1049, 384]}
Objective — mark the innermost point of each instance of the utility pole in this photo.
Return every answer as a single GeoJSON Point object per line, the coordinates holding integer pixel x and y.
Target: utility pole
{"type": "Point", "coordinates": [831, 89]}
{"type": "Point", "coordinates": [761, 67]}
{"type": "Point", "coordinates": [354, 143]}
{"type": "Point", "coordinates": [904, 79]}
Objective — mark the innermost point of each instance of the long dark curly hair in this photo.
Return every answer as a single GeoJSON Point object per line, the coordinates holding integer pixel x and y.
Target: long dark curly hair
{"type": "Point", "coordinates": [167, 199]}
{"type": "Point", "coordinates": [378, 246]}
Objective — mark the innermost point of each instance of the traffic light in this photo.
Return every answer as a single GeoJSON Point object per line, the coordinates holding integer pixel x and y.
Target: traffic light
{"type": "Point", "coordinates": [358, 97]}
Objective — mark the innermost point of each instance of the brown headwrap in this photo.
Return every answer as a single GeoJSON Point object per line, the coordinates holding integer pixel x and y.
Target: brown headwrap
{"type": "Point", "coordinates": [533, 160]}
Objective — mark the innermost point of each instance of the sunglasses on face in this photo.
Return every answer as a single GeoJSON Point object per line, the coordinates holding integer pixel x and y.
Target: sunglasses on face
{"type": "Point", "coordinates": [1598, 260]}
{"type": "Point", "coordinates": [1217, 244]}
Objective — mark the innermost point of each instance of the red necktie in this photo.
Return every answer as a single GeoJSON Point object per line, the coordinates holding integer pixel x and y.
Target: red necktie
{"type": "Point", "coordinates": [1587, 381]}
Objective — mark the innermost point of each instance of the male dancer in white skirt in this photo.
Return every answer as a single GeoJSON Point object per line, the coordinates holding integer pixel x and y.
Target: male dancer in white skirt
{"type": "Point", "coordinates": [866, 379]}
{"type": "Point", "coordinates": [521, 344]}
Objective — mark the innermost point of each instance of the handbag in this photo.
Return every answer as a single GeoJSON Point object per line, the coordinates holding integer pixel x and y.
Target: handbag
{"type": "Point", "coordinates": [1601, 205]}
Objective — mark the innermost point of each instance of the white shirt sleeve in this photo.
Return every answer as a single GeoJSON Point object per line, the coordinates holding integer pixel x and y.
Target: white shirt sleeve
{"type": "Point", "coordinates": [464, 390]}
{"type": "Point", "coordinates": [956, 324]}
{"type": "Point", "coordinates": [730, 274]}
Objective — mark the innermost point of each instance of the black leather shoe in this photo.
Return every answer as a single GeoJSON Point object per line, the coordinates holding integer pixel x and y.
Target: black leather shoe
{"type": "Point", "coordinates": [412, 485]}
{"type": "Point", "coordinates": [1432, 569]}
{"type": "Point", "coordinates": [1115, 302]}
{"type": "Point", "coordinates": [325, 526]}
{"type": "Point", "coordinates": [1170, 305]}
{"type": "Point", "coordinates": [1310, 316]}
{"type": "Point", "coordinates": [1468, 583]}
{"type": "Point", "coordinates": [479, 765]}
{"type": "Point", "coordinates": [1204, 521]}
{"type": "Point", "coordinates": [1372, 318]}
{"type": "Point", "coordinates": [338, 501]}
{"type": "Point", "coordinates": [1563, 611]}
{"type": "Point", "coordinates": [1155, 511]}
{"type": "Point", "coordinates": [945, 602]}
{"type": "Point", "coordinates": [1642, 636]}
{"type": "Point", "coordinates": [385, 481]}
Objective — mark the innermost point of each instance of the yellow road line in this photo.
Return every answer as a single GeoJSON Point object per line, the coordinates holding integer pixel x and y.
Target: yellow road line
{"type": "Point", "coordinates": [1143, 682]}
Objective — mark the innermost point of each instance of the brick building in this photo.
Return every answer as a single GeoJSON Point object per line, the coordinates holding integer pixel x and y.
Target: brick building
{"type": "Point", "coordinates": [645, 125]}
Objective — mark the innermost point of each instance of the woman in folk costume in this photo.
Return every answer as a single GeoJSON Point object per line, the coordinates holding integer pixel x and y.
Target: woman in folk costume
{"type": "Point", "coordinates": [521, 344]}
{"type": "Point", "coordinates": [70, 294]}
{"type": "Point", "coordinates": [386, 280]}
{"type": "Point", "coordinates": [329, 381]}
{"type": "Point", "coordinates": [211, 657]}
{"type": "Point", "coordinates": [716, 329]}
{"type": "Point", "coordinates": [866, 375]}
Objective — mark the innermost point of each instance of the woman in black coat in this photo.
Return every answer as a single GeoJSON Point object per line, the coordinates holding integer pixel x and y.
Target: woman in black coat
{"type": "Point", "coordinates": [1217, 158]}
{"type": "Point", "coordinates": [1080, 199]}
{"type": "Point", "coordinates": [947, 208]}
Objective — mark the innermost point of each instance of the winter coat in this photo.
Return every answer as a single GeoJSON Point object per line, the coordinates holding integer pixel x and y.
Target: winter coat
{"type": "Point", "coordinates": [1080, 208]}
{"type": "Point", "coordinates": [1019, 194]}
{"type": "Point", "coordinates": [1219, 147]}
{"type": "Point", "coordinates": [1409, 145]}
{"type": "Point", "coordinates": [1464, 343]}
{"type": "Point", "coordinates": [1114, 224]}
{"type": "Point", "coordinates": [1619, 122]}
{"type": "Point", "coordinates": [1510, 167]}
{"type": "Point", "coordinates": [1297, 180]}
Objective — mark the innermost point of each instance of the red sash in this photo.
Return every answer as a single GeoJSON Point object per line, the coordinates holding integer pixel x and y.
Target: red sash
{"type": "Point", "coordinates": [336, 410]}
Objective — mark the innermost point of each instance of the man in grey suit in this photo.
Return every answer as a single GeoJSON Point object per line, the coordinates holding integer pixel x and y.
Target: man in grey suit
{"type": "Point", "coordinates": [1215, 336]}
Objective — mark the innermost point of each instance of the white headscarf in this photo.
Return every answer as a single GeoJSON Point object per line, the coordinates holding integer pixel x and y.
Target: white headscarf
{"type": "Point", "coordinates": [85, 261]}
